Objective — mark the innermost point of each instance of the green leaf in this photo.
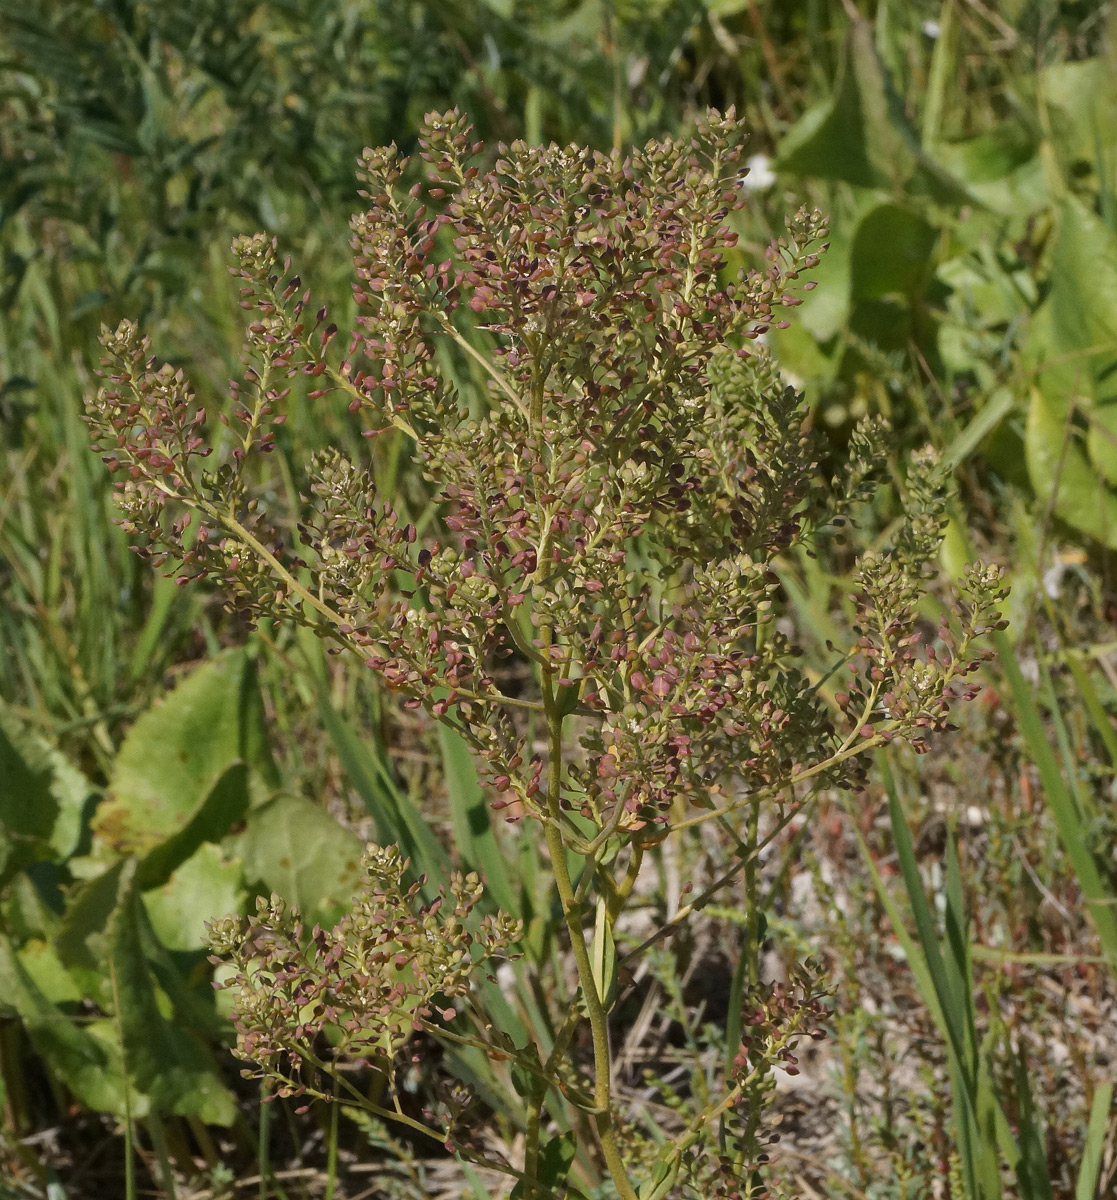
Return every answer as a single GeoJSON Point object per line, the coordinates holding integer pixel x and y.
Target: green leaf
{"type": "Point", "coordinates": [945, 978]}
{"type": "Point", "coordinates": [88, 1066]}
{"type": "Point", "coordinates": [1031, 1165]}
{"type": "Point", "coordinates": [829, 141]}
{"type": "Point", "coordinates": [167, 1063]}
{"type": "Point", "coordinates": [862, 135]}
{"type": "Point", "coordinates": [524, 1082]}
{"type": "Point", "coordinates": [554, 1165]}
{"type": "Point", "coordinates": [952, 1004]}
{"type": "Point", "coordinates": [938, 987]}
{"type": "Point", "coordinates": [208, 885]}
{"type": "Point", "coordinates": [42, 800]}
{"type": "Point", "coordinates": [944, 70]}
{"type": "Point", "coordinates": [1072, 832]}
{"type": "Point", "coordinates": [824, 310]}
{"type": "Point", "coordinates": [604, 955]}
{"type": "Point", "coordinates": [41, 961]}
{"type": "Point", "coordinates": [988, 417]}
{"type": "Point", "coordinates": [1071, 346]}
{"type": "Point", "coordinates": [225, 805]}
{"type": "Point", "coordinates": [1001, 168]}
{"type": "Point", "coordinates": [1083, 298]}
{"type": "Point", "coordinates": [293, 847]}
{"type": "Point", "coordinates": [472, 820]}
{"type": "Point", "coordinates": [891, 253]}
{"type": "Point", "coordinates": [1092, 1150]}
{"type": "Point", "coordinates": [106, 947]}
{"type": "Point", "coordinates": [82, 938]}
{"type": "Point", "coordinates": [177, 751]}
{"type": "Point", "coordinates": [1082, 108]}
{"type": "Point", "coordinates": [398, 821]}
{"type": "Point", "coordinates": [557, 1156]}
{"type": "Point", "coordinates": [1063, 475]}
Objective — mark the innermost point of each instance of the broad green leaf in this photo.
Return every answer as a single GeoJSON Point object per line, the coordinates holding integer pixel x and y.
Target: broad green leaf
{"type": "Point", "coordinates": [42, 800]}
{"type": "Point", "coordinates": [823, 311]}
{"type": "Point", "coordinates": [862, 135]}
{"type": "Point", "coordinates": [1001, 168]}
{"type": "Point", "coordinates": [554, 1165]}
{"type": "Point", "coordinates": [224, 805]}
{"type": "Point", "coordinates": [25, 914]}
{"type": "Point", "coordinates": [208, 885]}
{"type": "Point", "coordinates": [82, 939]}
{"type": "Point", "coordinates": [1083, 297]}
{"type": "Point", "coordinates": [1101, 439]}
{"type": "Point", "coordinates": [891, 253]}
{"type": "Point", "coordinates": [175, 753]}
{"type": "Point", "coordinates": [1071, 346]}
{"type": "Point", "coordinates": [830, 141]}
{"type": "Point", "coordinates": [293, 847]}
{"type": "Point", "coordinates": [42, 964]}
{"type": "Point", "coordinates": [89, 1066]}
{"type": "Point", "coordinates": [1082, 108]}
{"type": "Point", "coordinates": [167, 1063]}
{"type": "Point", "coordinates": [1062, 473]}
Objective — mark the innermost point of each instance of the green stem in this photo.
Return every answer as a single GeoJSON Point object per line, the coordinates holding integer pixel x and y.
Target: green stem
{"type": "Point", "coordinates": [752, 948]}
{"type": "Point", "coordinates": [359, 1100]}
{"type": "Point", "coordinates": [331, 1159]}
{"type": "Point", "coordinates": [849, 751]}
{"type": "Point", "coordinates": [129, 1124]}
{"type": "Point", "coordinates": [595, 1010]}
{"type": "Point", "coordinates": [311, 600]}
{"type": "Point", "coordinates": [535, 1112]}
{"type": "Point", "coordinates": [488, 367]}
{"type": "Point", "coordinates": [700, 901]}
{"type": "Point", "coordinates": [263, 1140]}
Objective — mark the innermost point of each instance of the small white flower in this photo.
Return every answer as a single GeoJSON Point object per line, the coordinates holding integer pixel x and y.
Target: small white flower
{"type": "Point", "coordinates": [760, 175]}
{"type": "Point", "coordinates": [932, 29]}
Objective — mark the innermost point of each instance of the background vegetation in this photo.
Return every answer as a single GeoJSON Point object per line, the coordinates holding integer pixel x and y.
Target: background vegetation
{"type": "Point", "coordinates": [967, 154]}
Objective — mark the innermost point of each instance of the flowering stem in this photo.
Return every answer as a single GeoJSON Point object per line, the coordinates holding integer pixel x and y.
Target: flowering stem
{"type": "Point", "coordinates": [486, 365]}
{"type": "Point", "coordinates": [752, 949]}
{"type": "Point", "coordinates": [572, 913]}
{"type": "Point", "coordinates": [836, 759]}
{"type": "Point", "coordinates": [535, 1112]}
{"type": "Point", "coordinates": [595, 1011]}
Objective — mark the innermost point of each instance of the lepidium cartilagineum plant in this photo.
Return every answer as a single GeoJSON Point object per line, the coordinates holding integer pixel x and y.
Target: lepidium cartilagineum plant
{"type": "Point", "coordinates": [611, 516]}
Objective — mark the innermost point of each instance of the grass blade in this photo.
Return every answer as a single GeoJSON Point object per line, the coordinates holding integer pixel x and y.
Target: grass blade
{"type": "Point", "coordinates": [473, 827]}
{"type": "Point", "coordinates": [1064, 810]}
{"type": "Point", "coordinates": [397, 819]}
{"type": "Point", "coordinates": [1090, 1167]}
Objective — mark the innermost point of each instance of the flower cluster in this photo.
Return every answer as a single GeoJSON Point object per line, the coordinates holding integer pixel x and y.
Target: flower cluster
{"type": "Point", "coordinates": [388, 969]}
{"type": "Point", "coordinates": [903, 679]}
{"type": "Point", "coordinates": [617, 494]}
{"type": "Point", "coordinates": [775, 1018]}
{"type": "Point", "coordinates": [611, 517]}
